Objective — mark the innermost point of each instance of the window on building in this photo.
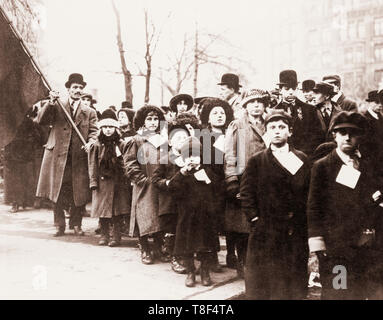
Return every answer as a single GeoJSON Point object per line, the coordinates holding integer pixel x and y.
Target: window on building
{"type": "Point", "coordinates": [378, 50]}
{"type": "Point", "coordinates": [378, 76]}
{"type": "Point", "coordinates": [348, 56]}
{"type": "Point", "coordinates": [359, 55]}
{"type": "Point", "coordinates": [378, 26]}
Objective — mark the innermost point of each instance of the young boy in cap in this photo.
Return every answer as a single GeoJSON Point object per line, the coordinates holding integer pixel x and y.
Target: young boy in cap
{"type": "Point", "coordinates": [273, 194]}
{"type": "Point", "coordinates": [343, 210]}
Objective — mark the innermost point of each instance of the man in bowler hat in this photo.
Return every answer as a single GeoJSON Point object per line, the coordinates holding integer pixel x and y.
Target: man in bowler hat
{"type": "Point", "coordinates": [229, 91]}
{"type": "Point", "coordinates": [343, 211]}
{"type": "Point", "coordinates": [64, 177]}
{"type": "Point", "coordinates": [307, 132]}
{"type": "Point", "coordinates": [307, 90]}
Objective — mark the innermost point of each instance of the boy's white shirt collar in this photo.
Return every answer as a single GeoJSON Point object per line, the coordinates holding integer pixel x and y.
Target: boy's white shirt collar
{"type": "Point", "coordinates": [373, 113]}
{"type": "Point", "coordinates": [346, 158]}
{"type": "Point", "coordinates": [284, 149]}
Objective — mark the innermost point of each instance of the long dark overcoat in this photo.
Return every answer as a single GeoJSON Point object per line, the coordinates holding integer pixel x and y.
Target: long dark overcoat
{"type": "Point", "coordinates": [109, 195]}
{"type": "Point", "coordinates": [60, 138]}
{"type": "Point", "coordinates": [141, 158]}
{"type": "Point", "coordinates": [276, 263]}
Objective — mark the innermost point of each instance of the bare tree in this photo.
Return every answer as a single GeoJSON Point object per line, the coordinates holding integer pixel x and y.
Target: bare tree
{"type": "Point", "coordinates": [125, 71]}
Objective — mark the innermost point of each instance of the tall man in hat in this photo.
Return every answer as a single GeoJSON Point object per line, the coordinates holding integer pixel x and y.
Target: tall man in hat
{"type": "Point", "coordinates": [326, 108]}
{"type": "Point", "coordinates": [343, 214]}
{"type": "Point", "coordinates": [307, 132]}
{"type": "Point", "coordinates": [307, 90]}
{"type": "Point", "coordinates": [344, 103]}
{"type": "Point", "coordinates": [229, 91]}
{"type": "Point", "coordinates": [64, 175]}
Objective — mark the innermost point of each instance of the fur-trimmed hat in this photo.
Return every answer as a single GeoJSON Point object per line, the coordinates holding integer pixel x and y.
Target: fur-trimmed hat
{"type": "Point", "coordinates": [255, 94]}
{"type": "Point", "coordinates": [277, 114]}
{"type": "Point", "coordinates": [108, 118]}
{"type": "Point", "coordinates": [192, 146]}
{"type": "Point", "coordinates": [208, 104]}
{"type": "Point", "coordinates": [178, 98]}
{"type": "Point", "coordinates": [129, 113]}
{"type": "Point", "coordinates": [139, 118]}
{"type": "Point", "coordinates": [75, 78]}
{"type": "Point", "coordinates": [346, 119]}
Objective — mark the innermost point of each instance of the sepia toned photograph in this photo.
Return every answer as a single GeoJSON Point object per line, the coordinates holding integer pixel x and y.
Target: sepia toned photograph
{"type": "Point", "coordinates": [203, 152]}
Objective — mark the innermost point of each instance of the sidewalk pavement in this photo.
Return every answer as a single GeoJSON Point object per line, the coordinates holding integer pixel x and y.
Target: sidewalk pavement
{"type": "Point", "coordinates": [35, 265]}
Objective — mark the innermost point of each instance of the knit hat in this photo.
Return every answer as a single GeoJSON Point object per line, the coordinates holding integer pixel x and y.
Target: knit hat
{"type": "Point", "coordinates": [191, 146]}
{"type": "Point", "coordinates": [108, 118]}
{"type": "Point", "coordinates": [255, 94]}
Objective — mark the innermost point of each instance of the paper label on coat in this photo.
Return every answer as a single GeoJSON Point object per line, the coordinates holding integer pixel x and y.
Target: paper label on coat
{"type": "Point", "coordinates": [348, 176]}
{"type": "Point", "coordinates": [290, 162]}
{"type": "Point", "coordinates": [156, 140]}
{"type": "Point", "coordinates": [179, 162]}
{"type": "Point", "coordinates": [220, 143]}
{"type": "Point", "coordinates": [118, 152]}
{"type": "Point", "coordinates": [266, 139]}
{"type": "Point", "coordinates": [202, 176]}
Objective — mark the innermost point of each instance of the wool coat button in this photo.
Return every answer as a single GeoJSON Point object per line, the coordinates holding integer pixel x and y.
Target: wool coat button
{"type": "Point", "coordinates": [290, 232]}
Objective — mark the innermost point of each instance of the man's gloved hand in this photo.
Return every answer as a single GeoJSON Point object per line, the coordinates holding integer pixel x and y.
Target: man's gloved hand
{"type": "Point", "coordinates": [232, 189]}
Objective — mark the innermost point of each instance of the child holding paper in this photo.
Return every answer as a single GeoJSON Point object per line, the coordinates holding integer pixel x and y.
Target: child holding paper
{"type": "Point", "coordinates": [196, 233]}
{"type": "Point", "coordinates": [273, 191]}
{"type": "Point", "coordinates": [109, 201]}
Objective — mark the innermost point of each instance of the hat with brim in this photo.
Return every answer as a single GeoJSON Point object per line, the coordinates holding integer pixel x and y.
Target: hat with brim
{"type": "Point", "coordinates": [288, 78]}
{"type": "Point", "coordinates": [278, 114]}
{"type": "Point", "coordinates": [324, 88]}
{"type": "Point", "coordinates": [108, 119]}
{"type": "Point", "coordinates": [332, 79]}
{"type": "Point", "coordinates": [231, 80]}
{"type": "Point", "coordinates": [352, 120]}
{"type": "Point", "coordinates": [373, 96]}
{"type": "Point", "coordinates": [255, 94]}
{"type": "Point", "coordinates": [188, 99]}
{"type": "Point", "coordinates": [75, 78]}
{"type": "Point", "coordinates": [308, 85]}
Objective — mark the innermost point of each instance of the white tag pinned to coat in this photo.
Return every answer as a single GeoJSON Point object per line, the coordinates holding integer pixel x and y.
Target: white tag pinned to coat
{"type": "Point", "coordinates": [220, 143]}
{"type": "Point", "coordinates": [290, 162]}
{"type": "Point", "coordinates": [202, 176]}
{"type": "Point", "coordinates": [118, 152]}
{"type": "Point", "coordinates": [348, 176]}
{"type": "Point", "coordinates": [156, 140]}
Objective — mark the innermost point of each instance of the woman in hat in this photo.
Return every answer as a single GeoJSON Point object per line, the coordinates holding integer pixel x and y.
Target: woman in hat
{"type": "Point", "coordinates": [181, 103]}
{"type": "Point", "coordinates": [183, 127]}
{"type": "Point", "coordinates": [193, 187]}
{"type": "Point", "coordinates": [244, 138]}
{"type": "Point", "coordinates": [125, 119]}
{"type": "Point", "coordinates": [216, 115]}
{"type": "Point", "coordinates": [106, 175]}
{"type": "Point", "coordinates": [141, 157]}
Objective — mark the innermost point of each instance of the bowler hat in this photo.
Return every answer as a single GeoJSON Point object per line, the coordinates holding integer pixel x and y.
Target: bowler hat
{"type": "Point", "coordinates": [75, 78]}
{"type": "Point", "coordinates": [308, 85]}
{"type": "Point", "coordinates": [126, 104]}
{"type": "Point", "coordinates": [288, 78]}
{"type": "Point", "coordinates": [332, 79]}
{"type": "Point", "coordinates": [178, 98]}
{"type": "Point", "coordinates": [373, 96]}
{"type": "Point", "coordinates": [346, 119]}
{"type": "Point", "coordinates": [231, 80]}
{"type": "Point", "coordinates": [278, 114]}
{"type": "Point", "coordinates": [325, 88]}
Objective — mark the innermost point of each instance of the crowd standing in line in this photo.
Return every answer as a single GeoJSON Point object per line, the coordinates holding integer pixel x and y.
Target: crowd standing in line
{"type": "Point", "coordinates": [277, 175]}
